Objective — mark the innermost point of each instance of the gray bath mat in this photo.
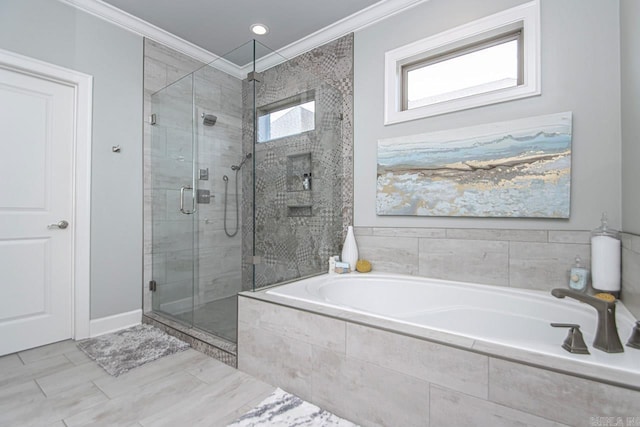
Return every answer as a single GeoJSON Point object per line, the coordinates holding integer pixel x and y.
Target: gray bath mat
{"type": "Point", "coordinates": [124, 350]}
{"type": "Point", "coordinates": [282, 409]}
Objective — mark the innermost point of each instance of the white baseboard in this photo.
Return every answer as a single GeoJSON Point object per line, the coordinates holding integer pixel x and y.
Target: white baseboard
{"type": "Point", "coordinates": [104, 325]}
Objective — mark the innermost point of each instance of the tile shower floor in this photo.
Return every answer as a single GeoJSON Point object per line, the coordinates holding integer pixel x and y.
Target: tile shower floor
{"type": "Point", "coordinates": [57, 385]}
{"type": "Point", "coordinates": [219, 317]}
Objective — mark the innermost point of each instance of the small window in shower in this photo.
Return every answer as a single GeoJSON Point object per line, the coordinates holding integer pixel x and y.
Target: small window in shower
{"type": "Point", "coordinates": [287, 117]}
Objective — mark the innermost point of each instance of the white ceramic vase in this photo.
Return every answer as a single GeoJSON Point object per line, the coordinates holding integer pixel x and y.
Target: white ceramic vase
{"type": "Point", "coordinates": [350, 249]}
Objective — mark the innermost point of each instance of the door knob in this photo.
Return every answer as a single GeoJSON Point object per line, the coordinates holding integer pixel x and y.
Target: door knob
{"type": "Point", "coordinates": [61, 224]}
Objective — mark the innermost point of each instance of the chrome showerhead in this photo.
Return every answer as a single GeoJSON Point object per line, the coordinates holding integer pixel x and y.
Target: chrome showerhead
{"type": "Point", "coordinates": [208, 119]}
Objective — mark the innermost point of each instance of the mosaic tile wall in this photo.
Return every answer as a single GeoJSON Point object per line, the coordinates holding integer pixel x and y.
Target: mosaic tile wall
{"type": "Point", "coordinates": [296, 229]}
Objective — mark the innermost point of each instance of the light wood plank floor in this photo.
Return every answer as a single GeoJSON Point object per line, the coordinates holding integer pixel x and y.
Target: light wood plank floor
{"type": "Point", "coordinates": [58, 385]}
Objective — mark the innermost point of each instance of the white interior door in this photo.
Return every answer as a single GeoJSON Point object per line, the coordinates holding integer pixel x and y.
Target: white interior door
{"type": "Point", "coordinates": [36, 196]}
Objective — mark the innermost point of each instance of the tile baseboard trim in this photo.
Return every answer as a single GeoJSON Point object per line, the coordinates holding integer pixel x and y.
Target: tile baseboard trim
{"type": "Point", "coordinates": [105, 325]}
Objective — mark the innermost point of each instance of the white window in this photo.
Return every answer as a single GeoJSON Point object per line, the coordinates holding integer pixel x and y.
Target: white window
{"type": "Point", "coordinates": [289, 117]}
{"type": "Point", "coordinates": [494, 59]}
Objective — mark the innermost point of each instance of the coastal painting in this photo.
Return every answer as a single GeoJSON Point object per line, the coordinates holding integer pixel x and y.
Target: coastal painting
{"type": "Point", "coordinates": [519, 169]}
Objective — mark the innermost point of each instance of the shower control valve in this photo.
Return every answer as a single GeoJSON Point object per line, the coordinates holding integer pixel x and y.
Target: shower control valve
{"type": "Point", "coordinates": [203, 196]}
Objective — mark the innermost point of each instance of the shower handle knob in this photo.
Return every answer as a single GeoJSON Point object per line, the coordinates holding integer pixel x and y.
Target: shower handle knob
{"type": "Point", "coordinates": [61, 224]}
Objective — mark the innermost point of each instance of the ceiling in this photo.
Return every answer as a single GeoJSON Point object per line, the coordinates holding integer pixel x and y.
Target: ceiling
{"type": "Point", "coordinates": [220, 26]}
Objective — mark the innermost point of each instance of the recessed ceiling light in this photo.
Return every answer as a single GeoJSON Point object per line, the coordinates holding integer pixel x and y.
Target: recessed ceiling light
{"type": "Point", "coordinates": [259, 29]}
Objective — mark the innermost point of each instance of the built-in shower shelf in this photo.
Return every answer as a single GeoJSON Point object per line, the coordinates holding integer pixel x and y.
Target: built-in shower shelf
{"type": "Point", "coordinates": [293, 211]}
{"type": "Point", "coordinates": [299, 199]}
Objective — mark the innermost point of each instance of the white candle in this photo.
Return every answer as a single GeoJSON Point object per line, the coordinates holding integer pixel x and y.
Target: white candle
{"type": "Point", "coordinates": [605, 263]}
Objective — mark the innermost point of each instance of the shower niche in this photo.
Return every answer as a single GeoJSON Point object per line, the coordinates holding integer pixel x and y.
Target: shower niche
{"type": "Point", "coordinates": [299, 185]}
{"type": "Point", "coordinates": [299, 172]}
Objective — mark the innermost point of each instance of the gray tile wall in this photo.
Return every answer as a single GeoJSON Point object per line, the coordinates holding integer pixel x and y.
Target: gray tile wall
{"type": "Point", "coordinates": [168, 235]}
{"type": "Point", "coordinates": [376, 377]}
{"type": "Point", "coordinates": [532, 259]}
{"type": "Point", "coordinates": [529, 259]}
{"type": "Point", "coordinates": [219, 147]}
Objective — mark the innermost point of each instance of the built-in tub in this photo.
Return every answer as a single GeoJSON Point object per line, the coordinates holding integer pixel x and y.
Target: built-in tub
{"type": "Point", "coordinates": [516, 318]}
{"type": "Point", "coordinates": [390, 350]}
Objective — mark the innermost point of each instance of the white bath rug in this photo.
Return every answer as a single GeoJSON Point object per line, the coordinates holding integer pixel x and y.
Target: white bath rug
{"type": "Point", "coordinates": [282, 409]}
{"type": "Point", "coordinates": [124, 350]}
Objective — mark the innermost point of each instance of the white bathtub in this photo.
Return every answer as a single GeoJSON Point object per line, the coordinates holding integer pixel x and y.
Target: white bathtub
{"type": "Point", "coordinates": [509, 317]}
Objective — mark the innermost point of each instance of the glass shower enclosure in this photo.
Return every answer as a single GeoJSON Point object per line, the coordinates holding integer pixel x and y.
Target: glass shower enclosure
{"type": "Point", "coordinates": [245, 184]}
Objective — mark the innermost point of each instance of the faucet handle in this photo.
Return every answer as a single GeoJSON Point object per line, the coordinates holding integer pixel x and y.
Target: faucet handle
{"type": "Point", "coordinates": [574, 343]}
{"type": "Point", "coordinates": [634, 339]}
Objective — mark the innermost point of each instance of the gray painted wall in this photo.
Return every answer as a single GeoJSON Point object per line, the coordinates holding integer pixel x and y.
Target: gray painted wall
{"type": "Point", "coordinates": [59, 34]}
{"type": "Point", "coordinates": [630, 72]}
{"type": "Point", "coordinates": [580, 73]}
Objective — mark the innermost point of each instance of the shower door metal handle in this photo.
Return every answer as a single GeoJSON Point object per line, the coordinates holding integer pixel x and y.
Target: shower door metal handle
{"type": "Point", "coordinates": [193, 200]}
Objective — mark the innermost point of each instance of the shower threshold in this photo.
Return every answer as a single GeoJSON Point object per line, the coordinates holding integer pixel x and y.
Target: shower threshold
{"type": "Point", "coordinates": [218, 317]}
{"type": "Point", "coordinates": [211, 345]}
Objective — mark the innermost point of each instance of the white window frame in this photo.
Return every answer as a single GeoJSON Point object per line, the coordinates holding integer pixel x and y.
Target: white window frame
{"type": "Point", "coordinates": [525, 17]}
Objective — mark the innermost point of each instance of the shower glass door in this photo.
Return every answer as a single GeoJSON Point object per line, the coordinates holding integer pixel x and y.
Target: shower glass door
{"type": "Point", "coordinates": [174, 213]}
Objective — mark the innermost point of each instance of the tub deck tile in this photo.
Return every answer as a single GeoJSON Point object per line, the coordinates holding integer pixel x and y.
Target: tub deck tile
{"type": "Point", "coordinates": [569, 366]}
{"type": "Point", "coordinates": [307, 327]}
{"type": "Point", "coordinates": [439, 364]}
{"type": "Point", "coordinates": [450, 408]}
{"type": "Point", "coordinates": [275, 359]}
{"type": "Point", "coordinates": [364, 391]}
{"type": "Point", "coordinates": [563, 398]}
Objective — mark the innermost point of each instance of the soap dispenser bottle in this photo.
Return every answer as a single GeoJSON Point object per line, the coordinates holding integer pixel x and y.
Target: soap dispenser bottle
{"type": "Point", "coordinates": [578, 276]}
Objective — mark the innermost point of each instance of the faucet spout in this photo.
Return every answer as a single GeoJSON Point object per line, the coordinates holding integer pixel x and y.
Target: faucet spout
{"type": "Point", "coordinates": [607, 338]}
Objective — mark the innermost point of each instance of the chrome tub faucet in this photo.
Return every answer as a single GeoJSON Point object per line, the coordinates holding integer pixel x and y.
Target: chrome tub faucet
{"type": "Point", "coordinates": [607, 338]}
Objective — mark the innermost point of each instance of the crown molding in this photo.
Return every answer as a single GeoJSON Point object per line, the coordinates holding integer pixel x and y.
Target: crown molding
{"type": "Point", "coordinates": [357, 21]}
{"type": "Point", "coordinates": [350, 24]}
